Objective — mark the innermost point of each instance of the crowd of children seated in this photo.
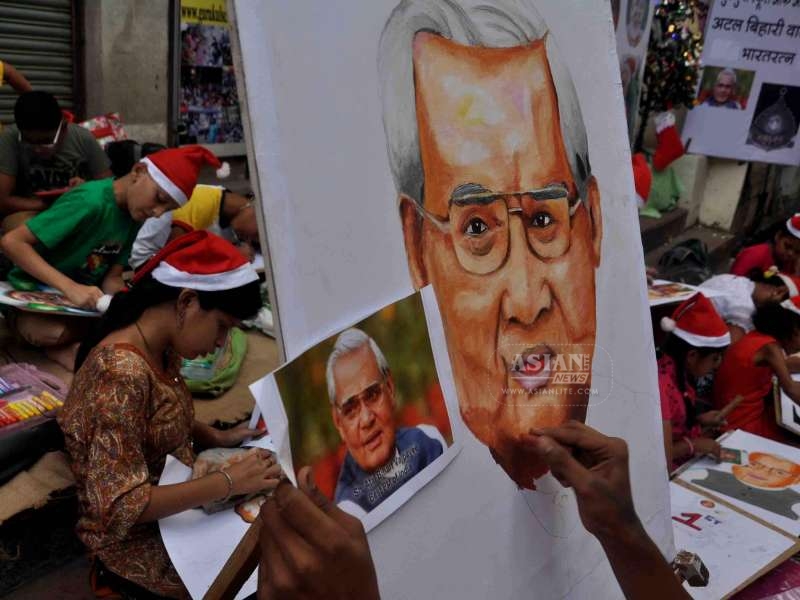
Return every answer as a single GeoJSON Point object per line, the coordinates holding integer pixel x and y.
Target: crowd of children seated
{"type": "Point", "coordinates": [746, 338]}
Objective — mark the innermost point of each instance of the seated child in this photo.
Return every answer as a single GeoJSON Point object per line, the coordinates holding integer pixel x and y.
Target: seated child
{"type": "Point", "coordinates": [750, 364]}
{"type": "Point", "coordinates": [782, 252]}
{"type": "Point", "coordinates": [81, 244]}
{"type": "Point", "coordinates": [737, 298]}
{"type": "Point", "coordinates": [697, 338]}
{"type": "Point", "coordinates": [210, 207]}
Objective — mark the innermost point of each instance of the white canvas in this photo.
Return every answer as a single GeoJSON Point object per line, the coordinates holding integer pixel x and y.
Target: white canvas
{"type": "Point", "coordinates": [337, 252]}
{"type": "Point", "coordinates": [733, 547]}
{"type": "Point", "coordinates": [788, 415]}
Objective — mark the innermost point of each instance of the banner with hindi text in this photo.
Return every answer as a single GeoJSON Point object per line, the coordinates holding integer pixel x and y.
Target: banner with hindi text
{"type": "Point", "coordinates": [748, 101]}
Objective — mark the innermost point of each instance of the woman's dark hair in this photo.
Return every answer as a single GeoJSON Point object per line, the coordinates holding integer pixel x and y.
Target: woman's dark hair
{"type": "Point", "coordinates": [126, 307]}
{"type": "Point", "coordinates": [677, 349]}
{"type": "Point", "coordinates": [776, 321]}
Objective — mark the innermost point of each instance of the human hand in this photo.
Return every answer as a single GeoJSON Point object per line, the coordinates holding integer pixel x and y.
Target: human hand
{"type": "Point", "coordinates": [310, 548]}
{"type": "Point", "coordinates": [84, 296]}
{"type": "Point", "coordinates": [256, 472]}
{"type": "Point", "coordinates": [246, 250]}
{"type": "Point", "coordinates": [75, 181]}
{"type": "Point", "coordinates": [595, 466]}
{"type": "Point", "coordinates": [707, 446]}
{"type": "Point", "coordinates": [713, 419]}
{"type": "Point", "coordinates": [230, 438]}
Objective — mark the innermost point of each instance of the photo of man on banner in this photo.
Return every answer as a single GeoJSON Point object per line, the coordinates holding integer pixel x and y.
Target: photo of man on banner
{"type": "Point", "coordinates": [499, 209]}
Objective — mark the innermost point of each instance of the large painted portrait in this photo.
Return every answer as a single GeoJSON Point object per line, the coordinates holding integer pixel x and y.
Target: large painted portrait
{"type": "Point", "coordinates": [499, 209]}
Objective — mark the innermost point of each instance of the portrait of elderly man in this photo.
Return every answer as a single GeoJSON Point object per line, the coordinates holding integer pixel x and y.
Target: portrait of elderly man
{"type": "Point", "coordinates": [381, 456]}
{"type": "Point", "coordinates": [499, 208]}
{"type": "Point", "coordinates": [724, 91]}
{"type": "Point", "coordinates": [765, 481]}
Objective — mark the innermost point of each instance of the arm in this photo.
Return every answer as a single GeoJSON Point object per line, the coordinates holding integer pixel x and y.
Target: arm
{"type": "Point", "coordinates": [16, 79]}
{"type": "Point", "coordinates": [772, 356]}
{"type": "Point", "coordinates": [9, 203]}
{"type": "Point", "coordinates": [113, 282]}
{"type": "Point", "coordinates": [18, 245]}
{"type": "Point", "coordinates": [258, 472]}
{"type": "Point", "coordinates": [596, 467]}
{"type": "Point", "coordinates": [206, 436]}
{"type": "Point", "coordinates": [793, 363]}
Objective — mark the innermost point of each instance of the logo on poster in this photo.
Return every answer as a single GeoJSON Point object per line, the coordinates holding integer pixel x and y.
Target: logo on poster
{"type": "Point", "coordinates": [533, 369]}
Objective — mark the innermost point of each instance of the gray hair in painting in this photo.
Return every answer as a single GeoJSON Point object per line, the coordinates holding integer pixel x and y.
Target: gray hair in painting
{"type": "Point", "coordinates": [349, 341]}
{"type": "Point", "coordinates": [488, 23]}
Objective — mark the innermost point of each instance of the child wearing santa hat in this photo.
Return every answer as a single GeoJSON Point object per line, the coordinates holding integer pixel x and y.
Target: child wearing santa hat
{"type": "Point", "coordinates": [782, 252]}
{"type": "Point", "coordinates": [750, 365]}
{"type": "Point", "coordinates": [80, 245]}
{"type": "Point", "coordinates": [693, 349]}
{"type": "Point", "coordinates": [128, 407]}
{"type": "Point", "coordinates": [737, 298]}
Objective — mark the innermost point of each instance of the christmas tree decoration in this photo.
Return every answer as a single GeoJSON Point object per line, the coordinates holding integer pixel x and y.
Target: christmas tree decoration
{"type": "Point", "coordinates": [673, 59]}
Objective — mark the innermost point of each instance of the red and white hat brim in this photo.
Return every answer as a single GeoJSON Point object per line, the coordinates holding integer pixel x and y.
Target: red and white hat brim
{"type": "Point", "coordinates": [790, 305]}
{"type": "Point", "coordinates": [794, 230]}
{"type": "Point", "coordinates": [790, 284]}
{"type": "Point", "coordinates": [703, 341]}
{"type": "Point", "coordinates": [164, 182]}
{"type": "Point", "coordinates": [211, 282]}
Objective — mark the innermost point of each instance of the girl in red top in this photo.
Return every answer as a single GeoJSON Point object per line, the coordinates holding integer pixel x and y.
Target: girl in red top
{"type": "Point", "coordinates": [783, 252]}
{"type": "Point", "coordinates": [698, 337]}
{"type": "Point", "coordinates": [750, 364]}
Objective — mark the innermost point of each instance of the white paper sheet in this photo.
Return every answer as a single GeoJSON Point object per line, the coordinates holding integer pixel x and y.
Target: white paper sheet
{"type": "Point", "coordinates": [199, 544]}
{"type": "Point", "coordinates": [733, 546]}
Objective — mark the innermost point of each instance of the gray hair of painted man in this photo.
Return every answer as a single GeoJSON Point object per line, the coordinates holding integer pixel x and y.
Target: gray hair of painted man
{"type": "Point", "coordinates": [729, 73]}
{"type": "Point", "coordinates": [488, 23]}
{"type": "Point", "coordinates": [349, 341]}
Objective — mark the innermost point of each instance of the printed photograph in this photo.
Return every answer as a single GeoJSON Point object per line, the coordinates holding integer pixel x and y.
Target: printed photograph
{"type": "Point", "coordinates": [776, 117]}
{"type": "Point", "coordinates": [636, 20]}
{"type": "Point", "coordinates": [724, 87]}
{"type": "Point", "coordinates": [365, 408]}
{"type": "Point", "coordinates": [41, 301]}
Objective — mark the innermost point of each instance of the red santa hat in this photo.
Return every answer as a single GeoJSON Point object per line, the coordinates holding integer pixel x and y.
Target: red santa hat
{"type": "Point", "coordinates": [793, 225]}
{"type": "Point", "coordinates": [175, 170]}
{"type": "Point", "coordinates": [792, 304]}
{"type": "Point", "coordinates": [668, 143]}
{"type": "Point", "coordinates": [199, 261]}
{"type": "Point", "coordinates": [697, 322]}
{"type": "Point", "coordinates": [642, 178]}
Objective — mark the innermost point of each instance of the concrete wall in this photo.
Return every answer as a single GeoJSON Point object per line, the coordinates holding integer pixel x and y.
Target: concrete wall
{"type": "Point", "coordinates": [126, 58]}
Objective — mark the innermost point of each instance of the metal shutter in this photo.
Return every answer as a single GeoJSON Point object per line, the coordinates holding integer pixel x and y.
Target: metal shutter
{"type": "Point", "coordinates": [36, 38]}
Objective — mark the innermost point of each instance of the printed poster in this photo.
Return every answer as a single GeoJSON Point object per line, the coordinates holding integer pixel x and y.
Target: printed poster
{"type": "Point", "coordinates": [748, 100]}
{"type": "Point", "coordinates": [632, 21]}
{"type": "Point", "coordinates": [465, 145]}
{"type": "Point", "coordinates": [209, 103]}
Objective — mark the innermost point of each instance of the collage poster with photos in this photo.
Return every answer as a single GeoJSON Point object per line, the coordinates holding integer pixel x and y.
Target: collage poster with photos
{"type": "Point", "coordinates": [208, 100]}
{"type": "Point", "coordinates": [748, 99]}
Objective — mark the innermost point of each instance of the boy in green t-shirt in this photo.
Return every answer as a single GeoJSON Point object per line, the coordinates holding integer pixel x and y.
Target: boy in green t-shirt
{"type": "Point", "coordinates": [81, 243]}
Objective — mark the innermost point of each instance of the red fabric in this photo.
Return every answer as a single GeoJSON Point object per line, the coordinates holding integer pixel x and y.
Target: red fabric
{"type": "Point", "coordinates": [758, 257]}
{"type": "Point", "coordinates": [673, 408]}
{"type": "Point", "coordinates": [738, 375]}
{"type": "Point", "coordinates": [668, 148]}
{"type": "Point", "coordinates": [642, 177]}
{"type": "Point", "coordinates": [698, 316]}
{"type": "Point", "coordinates": [182, 165]}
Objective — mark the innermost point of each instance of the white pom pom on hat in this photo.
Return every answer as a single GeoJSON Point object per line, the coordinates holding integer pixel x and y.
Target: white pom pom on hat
{"type": "Point", "coordinates": [667, 324]}
{"type": "Point", "coordinates": [224, 170]}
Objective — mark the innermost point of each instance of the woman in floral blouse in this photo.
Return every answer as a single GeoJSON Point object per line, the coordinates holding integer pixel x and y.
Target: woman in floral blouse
{"type": "Point", "coordinates": [128, 408]}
